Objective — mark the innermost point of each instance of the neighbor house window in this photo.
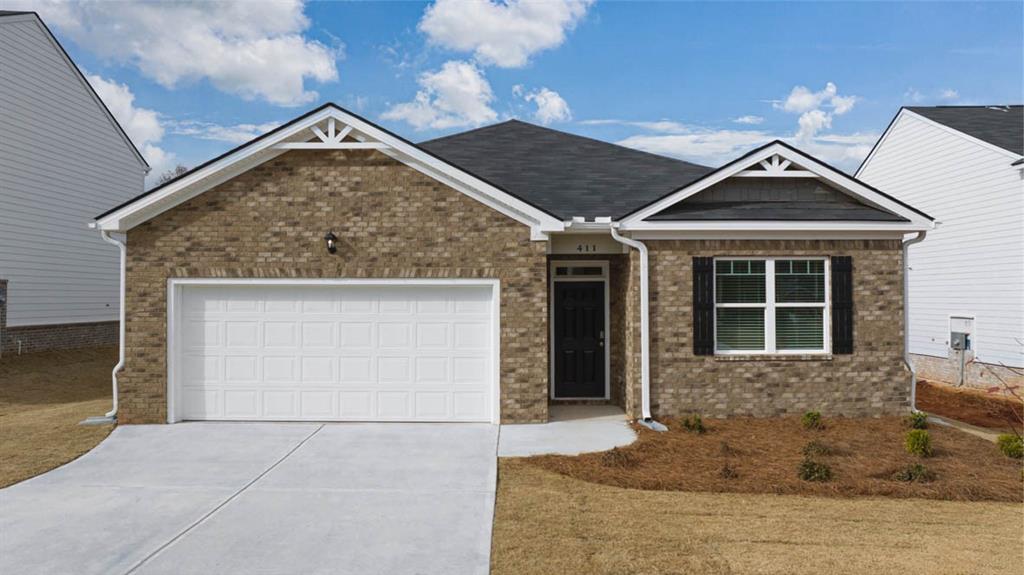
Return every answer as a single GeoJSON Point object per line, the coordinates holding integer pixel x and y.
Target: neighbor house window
{"type": "Point", "coordinates": [771, 305]}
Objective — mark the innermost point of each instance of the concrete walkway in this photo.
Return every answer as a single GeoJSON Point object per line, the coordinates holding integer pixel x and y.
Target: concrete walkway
{"type": "Point", "coordinates": [571, 430]}
{"type": "Point", "coordinates": [202, 498]}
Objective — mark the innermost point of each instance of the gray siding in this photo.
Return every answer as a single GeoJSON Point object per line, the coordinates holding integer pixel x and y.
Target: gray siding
{"type": "Point", "coordinates": [62, 161]}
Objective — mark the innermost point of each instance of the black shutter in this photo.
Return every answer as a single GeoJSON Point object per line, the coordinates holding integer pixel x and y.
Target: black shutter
{"type": "Point", "coordinates": [842, 304]}
{"type": "Point", "coordinates": [703, 306]}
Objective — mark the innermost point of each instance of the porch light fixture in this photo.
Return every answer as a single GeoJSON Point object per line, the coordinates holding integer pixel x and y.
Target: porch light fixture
{"type": "Point", "coordinates": [332, 242]}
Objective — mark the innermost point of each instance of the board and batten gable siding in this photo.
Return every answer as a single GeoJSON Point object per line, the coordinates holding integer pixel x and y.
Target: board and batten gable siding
{"type": "Point", "coordinates": [973, 262]}
{"type": "Point", "coordinates": [62, 161]}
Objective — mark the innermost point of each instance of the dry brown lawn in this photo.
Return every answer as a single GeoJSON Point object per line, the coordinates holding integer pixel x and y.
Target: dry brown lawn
{"type": "Point", "coordinates": [764, 455]}
{"type": "Point", "coordinates": [43, 396]}
{"type": "Point", "coordinates": [549, 523]}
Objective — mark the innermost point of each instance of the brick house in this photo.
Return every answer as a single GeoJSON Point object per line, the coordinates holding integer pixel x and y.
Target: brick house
{"type": "Point", "coordinates": [331, 270]}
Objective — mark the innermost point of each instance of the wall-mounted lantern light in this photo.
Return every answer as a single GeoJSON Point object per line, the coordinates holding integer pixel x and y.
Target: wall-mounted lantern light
{"type": "Point", "coordinates": [332, 242]}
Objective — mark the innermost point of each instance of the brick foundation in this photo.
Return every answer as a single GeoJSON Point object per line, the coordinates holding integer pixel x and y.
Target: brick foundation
{"type": "Point", "coordinates": [33, 338]}
{"type": "Point", "coordinates": [977, 375]}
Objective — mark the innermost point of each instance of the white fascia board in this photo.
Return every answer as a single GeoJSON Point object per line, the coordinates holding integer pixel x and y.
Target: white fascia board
{"type": "Point", "coordinates": [837, 179]}
{"type": "Point", "coordinates": [780, 225]}
{"type": "Point", "coordinates": [767, 235]}
{"type": "Point", "coordinates": [233, 164]}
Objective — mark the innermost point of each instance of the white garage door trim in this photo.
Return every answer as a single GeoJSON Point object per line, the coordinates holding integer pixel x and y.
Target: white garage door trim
{"type": "Point", "coordinates": [175, 290]}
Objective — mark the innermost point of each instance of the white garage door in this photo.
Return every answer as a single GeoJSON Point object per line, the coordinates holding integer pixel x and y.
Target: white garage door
{"type": "Point", "coordinates": [343, 352]}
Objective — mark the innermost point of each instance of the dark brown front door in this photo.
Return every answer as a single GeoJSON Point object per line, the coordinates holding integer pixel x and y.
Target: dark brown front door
{"type": "Point", "coordinates": [579, 339]}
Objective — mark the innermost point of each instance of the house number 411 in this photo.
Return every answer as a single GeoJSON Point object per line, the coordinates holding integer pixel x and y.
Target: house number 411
{"type": "Point", "coordinates": [586, 248]}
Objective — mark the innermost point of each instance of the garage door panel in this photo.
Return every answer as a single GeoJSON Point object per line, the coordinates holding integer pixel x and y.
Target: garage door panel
{"type": "Point", "coordinates": [336, 353]}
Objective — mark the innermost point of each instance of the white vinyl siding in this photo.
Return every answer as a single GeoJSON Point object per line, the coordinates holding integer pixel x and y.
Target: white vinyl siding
{"type": "Point", "coordinates": [773, 305]}
{"type": "Point", "coordinates": [62, 162]}
{"type": "Point", "coordinates": [973, 262]}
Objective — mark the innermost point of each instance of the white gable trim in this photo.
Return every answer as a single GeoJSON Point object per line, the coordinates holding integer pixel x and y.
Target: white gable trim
{"type": "Point", "coordinates": [807, 164]}
{"type": "Point", "coordinates": [45, 31]}
{"type": "Point", "coordinates": [903, 113]}
{"type": "Point", "coordinates": [306, 134]}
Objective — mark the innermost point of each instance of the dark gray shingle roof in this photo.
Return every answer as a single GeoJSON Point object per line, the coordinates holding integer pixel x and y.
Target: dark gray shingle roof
{"type": "Point", "coordinates": [564, 174]}
{"type": "Point", "coordinates": [1001, 126]}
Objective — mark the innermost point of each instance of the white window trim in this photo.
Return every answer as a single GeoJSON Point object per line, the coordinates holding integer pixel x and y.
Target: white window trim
{"type": "Point", "coordinates": [604, 277]}
{"type": "Point", "coordinates": [770, 306]}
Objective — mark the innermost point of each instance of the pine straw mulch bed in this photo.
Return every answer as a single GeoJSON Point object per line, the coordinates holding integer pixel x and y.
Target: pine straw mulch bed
{"type": "Point", "coordinates": [973, 406]}
{"type": "Point", "coordinates": [764, 455]}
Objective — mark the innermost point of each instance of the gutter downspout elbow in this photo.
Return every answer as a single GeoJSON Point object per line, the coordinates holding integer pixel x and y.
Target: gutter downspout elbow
{"type": "Point", "coordinates": [112, 414]}
{"type": "Point", "coordinates": [645, 355]}
{"type": "Point", "coordinates": [906, 318]}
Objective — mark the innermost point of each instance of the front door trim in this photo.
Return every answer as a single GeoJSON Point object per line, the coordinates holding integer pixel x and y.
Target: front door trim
{"type": "Point", "coordinates": [603, 264]}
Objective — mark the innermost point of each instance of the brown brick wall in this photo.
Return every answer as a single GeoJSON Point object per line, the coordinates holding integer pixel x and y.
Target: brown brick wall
{"type": "Point", "coordinates": [871, 381]}
{"type": "Point", "coordinates": [32, 338]}
{"type": "Point", "coordinates": [392, 221]}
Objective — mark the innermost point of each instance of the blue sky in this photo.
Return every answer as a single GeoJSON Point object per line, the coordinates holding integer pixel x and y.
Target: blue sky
{"type": "Point", "coordinates": [699, 81]}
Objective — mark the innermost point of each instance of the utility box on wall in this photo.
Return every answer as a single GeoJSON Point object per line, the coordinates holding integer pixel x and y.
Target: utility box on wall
{"type": "Point", "coordinates": [961, 328]}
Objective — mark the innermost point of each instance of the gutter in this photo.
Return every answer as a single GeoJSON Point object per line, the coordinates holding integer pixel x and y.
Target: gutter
{"type": "Point", "coordinates": [111, 416]}
{"type": "Point", "coordinates": [645, 355]}
{"type": "Point", "coordinates": [906, 318]}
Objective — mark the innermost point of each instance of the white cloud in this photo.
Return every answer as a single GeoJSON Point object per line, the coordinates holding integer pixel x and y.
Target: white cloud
{"type": "Point", "coordinates": [504, 34]}
{"type": "Point", "coordinates": [816, 109]}
{"type": "Point", "coordinates": [913, 95]}
{"type": "Point", "coordinates": [236, 134]}
{"type": "Point", "coordinates": [457, 95]}
{"type": "Point", "coordinates": [711, 147]}
{"type": "Point", "coordinates": [141, 124]}
{"type": "Point", "coordinates": [749, 119]}
{"type": "Point", "coordinates": [551, 107]}
{"type": "Point", "coordinates": [253, 51]}
{"type": "Point", "coordinates": [949, 94]}
{"type": "Point", "coordinates": [663, 126]}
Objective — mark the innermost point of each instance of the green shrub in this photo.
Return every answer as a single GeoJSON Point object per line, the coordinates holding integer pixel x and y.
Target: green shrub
{"type": "Point", "coordinates": [812, 420]}
{"type": "Point", "coordinates": [915, 473]}
{"type": "Point", "coordinates": [811, 470]}
{"type": "Point", "coordinates": [1011, 445]}
{"type": "Point", "coordinates": [817, 448]}
{"type": "Point", "coordinates": [917, 420]}
{"type": "Point", "coordinates": [918, 443]}
{"type": "Point", "coordinates": [621, 458]}
{"type": "Point", "coordinates": [728, 472]}
{"type": "Point", "coordinates": [693, 424]}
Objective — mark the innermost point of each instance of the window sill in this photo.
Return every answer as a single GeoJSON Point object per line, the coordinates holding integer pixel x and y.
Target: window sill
{"type": "Point", "coordinates": [775, 357]}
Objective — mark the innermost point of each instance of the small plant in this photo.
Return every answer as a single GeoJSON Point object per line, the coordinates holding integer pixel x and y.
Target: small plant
{"type": "Point", "coordinates": [812, 420]}
{"type": "Point", "coordinates": [728, 472]}
{"type": "Point", "coordinates": [917, 420]}
{"type": "Point", "coordinates": [915, 473]}
{"type": "Point", "coordinates": [919, 443]}
{"type": "Point", "coordinates": [818, 448]}
{"type": "Point", "coordinates": [811, 470]}
{"type": "Point", "coordinates": [1011, 445]}
{"type": "Point", "coordinates": [619, 458]}
{"type": "Point", "coordinates": [694, 424]}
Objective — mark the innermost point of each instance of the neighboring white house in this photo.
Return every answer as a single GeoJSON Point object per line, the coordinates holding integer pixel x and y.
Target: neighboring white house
{"type": "Point", "coordinates": [964, 166]}
{"type": "Point", "coordinates": [63, 159]}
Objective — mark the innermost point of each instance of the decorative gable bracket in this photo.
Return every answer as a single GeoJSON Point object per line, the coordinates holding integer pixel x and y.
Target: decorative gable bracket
{"type": "Point", "coordinates": [333, 139]}
{"type": "Point", "coordinates": [776, 167]}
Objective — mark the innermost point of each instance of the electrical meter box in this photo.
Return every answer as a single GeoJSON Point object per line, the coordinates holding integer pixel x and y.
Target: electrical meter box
{"type": "Point", "coordinates": [961, 328]}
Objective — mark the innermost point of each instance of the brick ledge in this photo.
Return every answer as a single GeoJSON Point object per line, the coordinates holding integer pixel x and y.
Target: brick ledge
{"type": "Point", "coordinates": [782, 357]}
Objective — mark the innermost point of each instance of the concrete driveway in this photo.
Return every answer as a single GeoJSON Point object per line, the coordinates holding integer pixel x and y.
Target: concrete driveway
{"type": "Point", "coordinates": [201, 498]}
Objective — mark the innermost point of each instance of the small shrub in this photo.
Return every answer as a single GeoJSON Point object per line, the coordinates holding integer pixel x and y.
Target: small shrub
{"type": "Point", "coordinates": [918, 443]}
{"type": "Point", "coordinates": [817, 448]}
{"type": "Point", "coordinates": [728, 472]}
{"type": "Point", "coordinates": [915, 473]}
{"type": "Point", "coordinates": [917, 420]}
{"type": "Point", "coordinates": [812, 420]}
{"type": "Point", "coordinates": [618, 458]}
{"type": "Point", "coordinates": [1011, 445]}
{"type": "Point", "coordinates": [811, 470]}
{"type": "Point", "coordinates": [694, 424]}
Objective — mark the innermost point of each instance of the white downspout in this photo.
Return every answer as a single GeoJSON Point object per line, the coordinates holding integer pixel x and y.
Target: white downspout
{"type": "Point", "coordinates": [645, 355]}
{"type": "Point", "coordinates": [906, 318]}
{"type": "Point", "coordinates": [112, 414]}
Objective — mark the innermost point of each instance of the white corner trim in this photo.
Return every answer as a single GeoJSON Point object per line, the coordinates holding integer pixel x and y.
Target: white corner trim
{"type": "Point", "coordinates": [176, 285]}
{"type": "Point", "coordinates": [294, 136]}
{"type": "Point", "coordinates": [837, 179]}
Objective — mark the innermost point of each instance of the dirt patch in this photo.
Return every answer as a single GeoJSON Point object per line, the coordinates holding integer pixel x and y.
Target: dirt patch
{"type": "Point", "coordinates": [972, 406]}
{"type": "Point", "coordinates": [548, 523]}
{"type": "Point", "coordinates": [43, 396]}
{"type": "Point", "coordinates": [746, 455]}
